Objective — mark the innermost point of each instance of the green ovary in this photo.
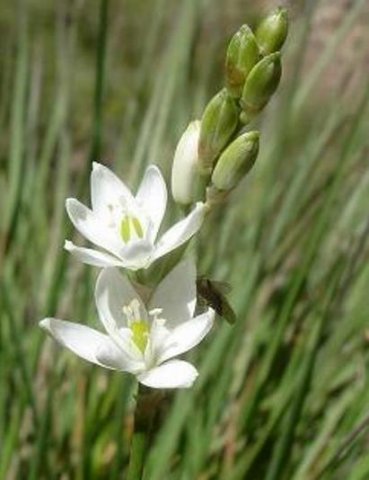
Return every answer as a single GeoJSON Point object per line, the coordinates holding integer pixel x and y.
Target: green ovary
{"type": "Point", "coordinates": [140, 331]}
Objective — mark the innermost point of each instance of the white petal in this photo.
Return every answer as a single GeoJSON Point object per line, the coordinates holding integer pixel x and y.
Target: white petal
{"type": "Point", "coordinates": [92, 257]}
{"type": "Point", "coordinates": [176, 294]}
{"type": "Point", "coordinates": [111, 356]}
{"type": "Point", "coordinates": [90, 345]}
{"type": "Point", "coordinates": [152, 197]}
{"type": "Point", "coordinates": [106, 188]}
{"type": "Point", "coordinates": [186, 336]}
{"type": "Point", "coordinates": [81, 340]}
{"type": "Point", "coordinates": [173, 374]}
{"type": "Point", "coordinates": [181, 231]}
{"type": "Point", "coordinates": [137, 254]}
{"type": "Point", "coordinates": [157, 339]}
{"type": "Point", "coordinates": [112, 292]}
{"type": "Point", "coordinates": [91, 227]}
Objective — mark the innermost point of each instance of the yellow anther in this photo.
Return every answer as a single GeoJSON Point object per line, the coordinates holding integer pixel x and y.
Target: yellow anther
{"type": "Point", "coordinates": [125, 229]}
{"type": "Point", "coordinates": [140, 331]}
{"type": "Point", "coordinates": [137, 226]}
{"type": "Point", "coordinates": [129, 227]}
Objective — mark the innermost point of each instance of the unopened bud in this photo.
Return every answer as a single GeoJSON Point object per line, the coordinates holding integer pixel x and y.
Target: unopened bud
{"type": "Point", "coordinates": [218, 123]}
{"type": "Point", "coordinates": [260, 84]}
{"type": "Point", "coordinates": [242, 55]}
{"type": "Point", "coordinates": [272, 31]}
{"type": "Point", "coordinates": [236, 161]}
{"type": "Point", "coordinates": [185, 168]}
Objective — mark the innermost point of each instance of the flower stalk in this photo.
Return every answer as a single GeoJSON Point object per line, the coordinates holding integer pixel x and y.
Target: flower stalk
{"type": "Point", "coordinates": [152, 313]}
{"type": "Point", "coordinates": [147, 412]}
{"type": "Point", "coordinates": [137, 455]}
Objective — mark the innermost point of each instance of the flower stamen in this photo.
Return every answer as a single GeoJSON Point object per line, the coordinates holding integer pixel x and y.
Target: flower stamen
{"type": "Point", "coordinates": [155, 312]}
{"type": "Point", "coordinates": [139, 327]}
{"type": "Point", "coordinates": [130, 227]}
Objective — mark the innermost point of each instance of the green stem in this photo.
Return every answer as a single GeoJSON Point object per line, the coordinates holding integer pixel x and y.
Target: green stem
{"type": "Point", "coordinates": [138, 454]}
{"type": "Point", "coordinates": [99, 81]}
{"type": "Point", "coordinates": [147, 411]}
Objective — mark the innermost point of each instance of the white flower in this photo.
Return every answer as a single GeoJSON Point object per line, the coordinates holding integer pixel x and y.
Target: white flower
{"type": "Point", "coordinates": [126, 226]}
{"type": "Point", "coordinates": [185, 165]}
{"type": "Point", "coordinates": [139, 340]}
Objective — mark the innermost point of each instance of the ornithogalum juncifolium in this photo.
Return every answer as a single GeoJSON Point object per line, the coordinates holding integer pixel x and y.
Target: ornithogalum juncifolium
{"type": "Point", "coordinates": [140, 338]}
{"type": "Point", "coordinates": [125, 226]}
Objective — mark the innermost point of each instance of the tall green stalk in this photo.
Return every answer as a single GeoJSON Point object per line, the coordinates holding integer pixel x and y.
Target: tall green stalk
{"type": "Point", "coordinates": [147, 411]}
{"type": "Point", "coordinates": [96, 146]}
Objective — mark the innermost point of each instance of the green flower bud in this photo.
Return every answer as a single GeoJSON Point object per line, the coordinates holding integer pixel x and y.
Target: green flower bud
{"type": "Point", "coordinates": [272, 31]}
{"type": "Point", "coordinates": [184, 170]}
{"type": "Point", "coordinates": [218, 123]}
{"type": "Point", "coordinates": [236, 161]}
{"type": "Point", "coordinates": [260, 84]}
{"type": "Point", "coordinates": [242, 55]}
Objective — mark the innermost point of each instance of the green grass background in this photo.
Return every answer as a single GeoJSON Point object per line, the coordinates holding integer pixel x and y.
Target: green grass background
{"type": "Point", "coordinates": [284, 394]}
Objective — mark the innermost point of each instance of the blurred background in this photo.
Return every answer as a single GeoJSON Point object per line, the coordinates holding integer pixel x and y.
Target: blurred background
{"type": "Point", "coordinates": [283, 394]}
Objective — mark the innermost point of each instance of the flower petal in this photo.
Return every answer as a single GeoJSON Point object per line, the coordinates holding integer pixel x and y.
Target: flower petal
{"type": "Point", "coordinates": [137, 254]}
{"type": "Point", "coordinates": [112, 292]}
{"type": "Point", "coordinates": [92, 257]}
{"type": "Point", "coordinates": [152, 197]}
{"type": "Point", "coordinates": [173, 374]}
{"type": "Point", "coordinates": [181, 231]}
{"type": "Point", "coordinates": [106, 188]}
{"type": "Point", "coordinates": [81, 340]}
{"type": "Point", "coordinates": [91, 227]}
{"type": "Point", "coordinates": [176, 294]}
{"type": "Point", "coordinates": [111, 356]}
{"type": "Point", "coordinates": [187, 335]}
{"type": "Point", "coordinates": [90, 345]}
{"type": "Point", "coordinates": [158, 335]}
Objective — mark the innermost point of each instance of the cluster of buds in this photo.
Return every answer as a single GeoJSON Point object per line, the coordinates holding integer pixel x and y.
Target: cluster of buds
{"type": "Point", "coordinates": [216, 153]}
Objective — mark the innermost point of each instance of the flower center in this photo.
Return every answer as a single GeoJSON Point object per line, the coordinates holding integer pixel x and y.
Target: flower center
{"type": "Point", "coordinates": [139, 327]}
{"type": "Point", "coordinates": [127, 220]}
{"type": "Point", "coordinates": [140, 331]}
{"type": "Point", "coordinates": [130, 227]}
